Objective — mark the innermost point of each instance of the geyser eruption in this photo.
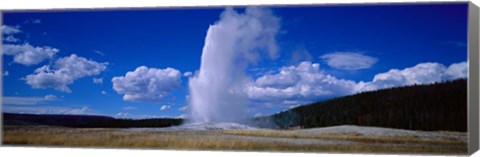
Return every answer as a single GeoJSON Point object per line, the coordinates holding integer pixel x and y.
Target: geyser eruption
{"type": "Point", "coordinates": [232, 44]}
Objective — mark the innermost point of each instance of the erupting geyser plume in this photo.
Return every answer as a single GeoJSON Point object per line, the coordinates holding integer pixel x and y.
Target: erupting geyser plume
{"type": "Point", "coordinates": [231, 45]}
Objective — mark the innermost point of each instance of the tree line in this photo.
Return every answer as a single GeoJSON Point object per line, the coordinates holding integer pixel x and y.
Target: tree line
{"type": "Point", "coordinates": [86, 121]}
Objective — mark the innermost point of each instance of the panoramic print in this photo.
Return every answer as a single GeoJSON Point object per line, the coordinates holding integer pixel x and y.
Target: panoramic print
{"type": "Point", "coordinates": [375, 78]}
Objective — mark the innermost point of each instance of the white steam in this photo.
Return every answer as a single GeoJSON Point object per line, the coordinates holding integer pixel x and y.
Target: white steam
{"type": "Point", "coordinates": [231, 45]}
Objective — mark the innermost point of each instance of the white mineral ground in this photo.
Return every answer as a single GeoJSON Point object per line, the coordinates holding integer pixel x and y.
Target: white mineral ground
{"type": "Point", "coordinates": [213, 131]}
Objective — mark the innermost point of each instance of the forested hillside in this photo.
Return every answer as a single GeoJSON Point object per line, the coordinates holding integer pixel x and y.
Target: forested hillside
{"type": "Point", "coordinates": [439, 106]}
{"type": "Point", "coordinates": [86, 121]}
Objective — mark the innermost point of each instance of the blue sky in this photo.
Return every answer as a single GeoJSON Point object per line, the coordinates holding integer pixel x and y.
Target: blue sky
{"type": "Point", "coordinates": [356, 48]}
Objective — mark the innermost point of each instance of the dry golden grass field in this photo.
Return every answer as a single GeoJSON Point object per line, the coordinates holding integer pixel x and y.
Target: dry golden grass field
{"type": "Point", "coordinates": [239, 140]}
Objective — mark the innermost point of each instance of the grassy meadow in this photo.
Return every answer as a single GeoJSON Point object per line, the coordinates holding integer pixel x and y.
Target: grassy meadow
{"type": "Point", "coordinates": [238, 140]}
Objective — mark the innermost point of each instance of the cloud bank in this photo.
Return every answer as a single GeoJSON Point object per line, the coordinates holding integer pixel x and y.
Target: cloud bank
{"type": "Point", "coordinates": [294, 85]}
{"type": "Point", "coordinates": [423, 73]}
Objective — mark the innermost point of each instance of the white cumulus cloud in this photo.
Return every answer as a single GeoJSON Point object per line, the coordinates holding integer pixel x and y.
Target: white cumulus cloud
{"type": "Point", "coordinates": [349, 60]}
{"type": "Point", "coordinates": [456, 70]}
{"type": "Point", "coordinates": [165, 107]}
{"type": "Point", "coordinates": [302, 82]}
{"type": "Point", "coordinates": [51, 97]}
{"type": "Point", "coordinates": [64, 72]}
{"type": "Point", "coordinates": [147, 84]}
{"type": "Point", "coordinates": [27, 54]}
